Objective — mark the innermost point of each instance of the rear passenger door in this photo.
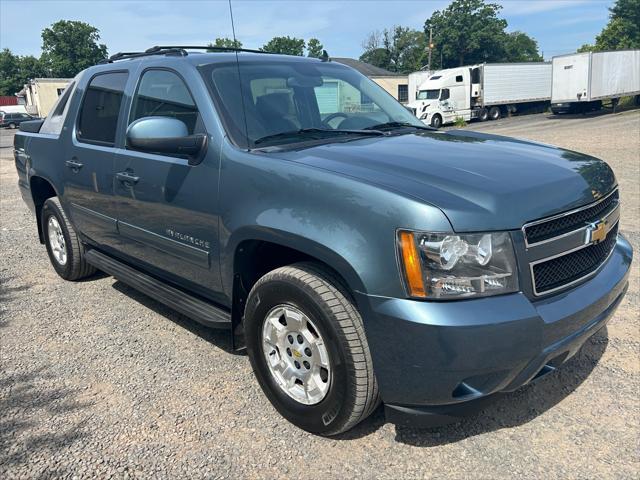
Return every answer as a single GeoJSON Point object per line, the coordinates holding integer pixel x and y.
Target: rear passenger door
{"type": "Point", "coordinates": [168, 215]}
{"type": "Point", "coordinates": [89, 156]}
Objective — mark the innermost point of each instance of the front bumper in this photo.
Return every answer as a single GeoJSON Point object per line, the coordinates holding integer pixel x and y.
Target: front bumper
{"type": "Point", "coordinates": [437, 360]}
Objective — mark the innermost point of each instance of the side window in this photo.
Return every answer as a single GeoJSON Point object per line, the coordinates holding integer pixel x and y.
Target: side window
{"type": "Point", "coordinates": [162, 93]}
{"type": "Point", "coordinates": [403, 93]}
{"type": "Point", "coordinates": [101, 107]}
{"type": "Point", "coordinates": [459, 78]}
{"type": "Point", "coordinates": [445, 94]}
{"type": "Point", "coordinates": [54, 121]}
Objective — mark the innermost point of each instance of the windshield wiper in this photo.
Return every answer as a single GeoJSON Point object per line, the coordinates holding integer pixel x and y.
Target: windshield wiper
{"type": "Point", "coordinates": [323, 132]}
{"type": "Point", "coordinates": [392, 125]}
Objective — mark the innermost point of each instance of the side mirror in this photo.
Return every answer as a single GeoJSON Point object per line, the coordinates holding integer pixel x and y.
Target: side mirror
{"type": "Point", "coordinates": [166, 135]}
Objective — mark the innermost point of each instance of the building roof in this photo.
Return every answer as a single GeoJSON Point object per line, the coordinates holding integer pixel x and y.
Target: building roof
{"type": "Point", "coordinates": [366, 68]}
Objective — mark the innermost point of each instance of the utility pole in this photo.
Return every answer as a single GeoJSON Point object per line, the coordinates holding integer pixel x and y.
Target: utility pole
{"type": "Point", "coordinates": [430, 47]}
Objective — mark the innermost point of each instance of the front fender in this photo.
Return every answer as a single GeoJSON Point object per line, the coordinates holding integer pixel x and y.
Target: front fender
{"type": "Point", "coordinates": [344, 222]}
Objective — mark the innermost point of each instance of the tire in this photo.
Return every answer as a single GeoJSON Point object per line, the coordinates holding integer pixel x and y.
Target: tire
{"type": "Point", "coordinates": [436, 121]}
{"type": "Point", "coordinates": [12, 126]}
{"type": "Point", "coordinates": [53, 218]}
{"type": "Point", "coordinates": [494, 113]}
{"type": "Point", "coordinates": [350, 388]}
{"type": "Point", "coordinates": [483, 116]}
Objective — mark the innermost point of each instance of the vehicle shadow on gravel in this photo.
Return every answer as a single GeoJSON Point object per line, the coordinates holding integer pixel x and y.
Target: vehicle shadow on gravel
{"type": "Point", "coordinates": [519, 407]}
{"type": "Point", "coordinates": [30, 402]}
{"type": "Point", "coordinates": [8, 294]}
{"type": "Point", "coordinates": [219, 338]}
{"type": "Point", "coordinates": [507, 411]}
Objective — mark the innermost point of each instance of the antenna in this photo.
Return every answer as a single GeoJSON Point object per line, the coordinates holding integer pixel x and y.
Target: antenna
{"type": "Point", "coordinates": [235, 42]}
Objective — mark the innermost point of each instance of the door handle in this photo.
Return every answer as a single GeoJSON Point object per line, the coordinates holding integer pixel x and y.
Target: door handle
{"type": "Point", "coordinates": [127, 178]}
{"type": "Point", "coordinates": [74, 164]}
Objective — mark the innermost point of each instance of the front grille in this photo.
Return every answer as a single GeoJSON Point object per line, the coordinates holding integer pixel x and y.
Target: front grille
{"type": "Point", "coordinates": [544, 230]}
{"type": "Point", "coordinates": [569, 268]}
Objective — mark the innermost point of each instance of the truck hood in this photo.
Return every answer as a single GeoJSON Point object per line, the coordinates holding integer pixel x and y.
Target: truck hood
{"type": "Point", "coordinates": [480, 182]}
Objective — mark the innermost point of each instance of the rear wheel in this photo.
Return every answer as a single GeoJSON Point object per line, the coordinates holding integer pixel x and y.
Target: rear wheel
{"type": "Point", "coordinates": [12, 126]}
{"type": "Point", "coordinates": [494, 113]}
{"type": "Point", "coordinates": [308, 350]}
{"type": "Point", "coordinates": [65, 250]}
{"type": "Point", "coordinates": [436, 121]}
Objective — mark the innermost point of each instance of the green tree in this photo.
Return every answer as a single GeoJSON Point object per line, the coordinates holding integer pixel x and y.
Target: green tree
{"type": "Point", "coordinates": [520, 47]}
{"type": "Point", "coordinates": [70, 46]}
{"type": "Point", "coordinates": [468, 31]}
{"type": "Point", "coordinates": [285, 45]}
{"type": "Point", "coordinates": [587, 47]}
{"type": "Point", "coordinates": [15, 71]}
{"type": "Point", "coordinates": [623, 30]}
{"type": "Point", "coordinates": [314, 48]}
{"type": "Point", "coordinates": [9, 73]}
{"type": "Point", "coordinates": [225, 43]}
{"type": "Point", "coordinates": [399, 49]}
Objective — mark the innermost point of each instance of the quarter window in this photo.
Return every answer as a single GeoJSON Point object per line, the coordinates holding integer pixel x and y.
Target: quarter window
{"type": "Point", "coordinates": [162, 93]}
{"type": "Point", "coordinates": [101, 107]}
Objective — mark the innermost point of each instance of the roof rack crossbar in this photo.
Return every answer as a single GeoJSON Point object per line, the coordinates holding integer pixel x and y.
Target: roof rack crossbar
{"type": "Point", "coordinates": [209, 48]}
{"type": "Point", "coordinates": [181, 50]}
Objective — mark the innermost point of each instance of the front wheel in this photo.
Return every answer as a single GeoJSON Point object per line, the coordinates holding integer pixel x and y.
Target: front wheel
{"type": "Point", "coordinates": [307, 347]}
{"type": "Point", "coordinates": [436, 121]}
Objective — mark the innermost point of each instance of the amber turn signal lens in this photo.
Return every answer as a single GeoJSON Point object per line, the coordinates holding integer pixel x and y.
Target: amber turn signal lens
{"type": "Point", "coordinates": [411, 263]}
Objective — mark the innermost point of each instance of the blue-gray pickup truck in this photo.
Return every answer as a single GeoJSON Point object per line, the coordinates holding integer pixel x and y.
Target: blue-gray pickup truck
{"type": "Point", "coordinates": [360, 257]}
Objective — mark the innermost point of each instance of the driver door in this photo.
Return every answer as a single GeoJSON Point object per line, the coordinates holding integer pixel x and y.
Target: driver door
{"type": "Point", "coordinates": [167, 209]}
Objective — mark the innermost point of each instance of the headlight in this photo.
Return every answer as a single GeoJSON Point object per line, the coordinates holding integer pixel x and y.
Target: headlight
{"type": "Point", "coordinates": [447, 265]}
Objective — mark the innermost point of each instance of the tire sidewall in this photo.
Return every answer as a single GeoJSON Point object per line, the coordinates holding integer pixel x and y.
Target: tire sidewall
{"type": "Point", "coordinates": [327, 415]}
{"type": "Point", "coordinates": [436, 121]}
{"type": "Point", "coordinates": [49, 210]}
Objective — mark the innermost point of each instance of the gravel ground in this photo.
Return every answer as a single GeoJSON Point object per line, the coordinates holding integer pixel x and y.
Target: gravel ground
{"type": "Point", "coordinates": [97, 380]}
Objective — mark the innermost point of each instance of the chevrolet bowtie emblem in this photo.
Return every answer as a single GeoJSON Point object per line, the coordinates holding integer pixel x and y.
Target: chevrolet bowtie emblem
{"type": "Point", "coordinates": [596, 232]}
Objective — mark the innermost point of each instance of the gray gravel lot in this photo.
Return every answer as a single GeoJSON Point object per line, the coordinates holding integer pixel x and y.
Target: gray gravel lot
{"type": "Point", "coordinates": [97, 380]}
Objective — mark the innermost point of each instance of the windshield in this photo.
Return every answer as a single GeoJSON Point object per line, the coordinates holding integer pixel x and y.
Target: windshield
{"type": "Point", "coordinates": [293, 101]}
{"type": "Point", "coordinates": [428, 94]}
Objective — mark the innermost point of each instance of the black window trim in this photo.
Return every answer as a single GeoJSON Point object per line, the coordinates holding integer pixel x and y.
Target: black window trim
{"type": "Point", "coordinates": [135, 92]}
{"type": "Point", "coordinates": [78, 138]}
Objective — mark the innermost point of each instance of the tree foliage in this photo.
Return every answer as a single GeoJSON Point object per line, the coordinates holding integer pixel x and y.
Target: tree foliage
{"type": "Point", "coordinates": [314, 48]}
{"type": "Point", "coordinates": [70, 46]}
{"type": "Point", "coordinates": [285, 45]}
{"type": "Point", "coordinates": [465, 32]}
{"type": "Point", "coordinates": [399, 49]}
{"type": "Point", "coordinates": [226, 43]}
{"type": "Point", "coordinates": [468, 31]}
{"type": "Point", "coordinates": [623, 30]}
{"type": "Point", "coordinates": [520, 47]}
{"type": "Point", "coordinates": [15, 71]}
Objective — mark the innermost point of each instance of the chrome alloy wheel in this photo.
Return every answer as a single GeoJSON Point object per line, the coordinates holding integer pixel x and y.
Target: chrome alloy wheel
{"type": "Point", "coordinates": [296, 354]}
{"type": "Point", "coordinates": [56, 241]}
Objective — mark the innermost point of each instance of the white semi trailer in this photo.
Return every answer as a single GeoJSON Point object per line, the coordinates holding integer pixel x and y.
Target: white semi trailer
{"type": "Point", "coordinates": [581, 81]}
{"type": "Point", "coordinates": [486, 92]}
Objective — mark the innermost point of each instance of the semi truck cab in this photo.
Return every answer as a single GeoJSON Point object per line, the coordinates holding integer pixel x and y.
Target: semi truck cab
{"type": "Point", "coordinates": [447, 95]}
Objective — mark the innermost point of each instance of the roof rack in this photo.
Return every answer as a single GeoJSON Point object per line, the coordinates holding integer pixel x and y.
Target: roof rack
{"type": "Point", "coordinates": [176, 50]}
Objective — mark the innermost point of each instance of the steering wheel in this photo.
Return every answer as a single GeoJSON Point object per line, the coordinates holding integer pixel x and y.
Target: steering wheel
{"type": "Point", "coordinates": [333, 116]}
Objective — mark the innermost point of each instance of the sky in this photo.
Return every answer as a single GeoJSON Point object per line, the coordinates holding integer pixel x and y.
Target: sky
{"type": "Point", "coordinates": [559, 26]}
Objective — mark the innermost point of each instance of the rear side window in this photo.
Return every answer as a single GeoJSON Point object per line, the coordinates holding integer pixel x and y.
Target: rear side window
{"type": "Point", "coordinates": [54, 121]}
{"type": "Point", "coordinates": [162, 93]}
{"type": "Point", "coordinates": [100, 108]}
